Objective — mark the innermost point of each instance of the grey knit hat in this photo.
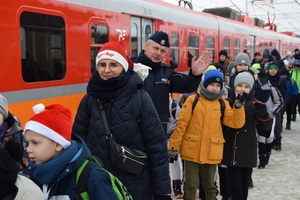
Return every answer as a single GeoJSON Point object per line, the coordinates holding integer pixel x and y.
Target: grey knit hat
{"type": "Point", "coordinates": [3, 106]}
{"type": "Point", "coordinates": [244, 77]}
{"type": "Point", "coordinates": [242, 58]}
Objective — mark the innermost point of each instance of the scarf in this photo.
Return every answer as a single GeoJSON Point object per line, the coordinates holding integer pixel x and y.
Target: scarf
{"type": "Point", "coordinates": [106, 89]}
{"type": "Point", "coordinates": [208, 95]}
{"type": "Point", "coordinates": [49, 171]}
{"type": "Point", "coordinates": [147, 61]}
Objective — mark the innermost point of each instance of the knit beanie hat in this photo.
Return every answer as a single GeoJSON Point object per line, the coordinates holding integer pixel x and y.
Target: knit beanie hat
{"type": "Point", "coordinates": [114, 51]}
{"type": "Point", "coordinates": [213, 76]}
{"type": "Point", "coordinates": [273, 65]}
{"type": "Point", "coordinates": [257, 54]}
{"type": "Point", "coordinates": [284, 71]}
{"type": "Point", "coordinates": [256, 66]}
{"type": "Point", "coordinates": [52, 121]}
{"type": "Point", "coordinates": [242, 58]}
{"type": "Point", "coordinates": [223, 52]}
{"type": "Point", "coordinates": [161, 38]}
{"type": "Point", "coordinates": [266, 53]}
{"type": "Point", "coordinates": [3, 106]}
{"type": "Point", "coordinates": [8, 173]}
{"type": "Point", "coordinates": [244, 77]}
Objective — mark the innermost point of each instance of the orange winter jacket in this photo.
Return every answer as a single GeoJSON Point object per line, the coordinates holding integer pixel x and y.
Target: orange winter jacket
{"type": "Point", "coordinates": [199, 132]}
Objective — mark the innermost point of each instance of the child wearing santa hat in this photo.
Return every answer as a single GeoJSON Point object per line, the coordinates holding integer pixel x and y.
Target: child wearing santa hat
{"type": "Point", "coordinates": [199, 134]}
{"type": "Point", "coordinates": [55, 157]}
{"type": "Point", "coordinates": [132, 119]}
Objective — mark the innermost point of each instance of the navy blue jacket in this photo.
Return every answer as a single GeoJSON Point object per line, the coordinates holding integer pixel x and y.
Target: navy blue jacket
{"type": "Point", "coordinates": [133, 122]}
{"type": "Point", "coordinates": [288, 88]}
{"type": "Point", "coordinates": [99, 186]}
{"type": "Point", "coordinates": [162, 81]}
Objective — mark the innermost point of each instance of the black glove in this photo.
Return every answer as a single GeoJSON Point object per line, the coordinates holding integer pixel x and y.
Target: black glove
{"type": "Point", "coordinates": [163, 197]}
{"type": "Point", "coordinates": [240, 100]}
{"type": "Point", "coordinates": [261, 110]}
{"type": "Point", "coordinates": [15, 150]}
{"type": "Point", "coordinates": [173, 154]}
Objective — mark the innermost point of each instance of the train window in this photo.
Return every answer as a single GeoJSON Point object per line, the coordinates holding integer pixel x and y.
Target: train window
{"type": "Point", "coordinates": [270, 46]}
{"type": "Point", "coordinates": [210, 45]}
{"type": "Point", "coordinates": [245, 44]}
{"type": "Point", "coordinates": [43, 47]}
{"type": "Point", "coordinates": [174, 50]}
{"type": "Point", "coordinates": [99, 34]}
{"type": "Point", "coordinates": [237, 47]}
{"type": "Point", "coordinates": [193, 45]}
{"type": "Point", "coordinates": [134, 40]}
{"type": "Point", "coordinates": [227, 45]}
{"type": "Point", "coordinates": [260, 47]}
{"type": "Point", "coordinates": [265, 45]}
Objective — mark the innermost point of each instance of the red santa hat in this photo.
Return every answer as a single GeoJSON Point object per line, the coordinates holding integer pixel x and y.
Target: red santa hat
{"type": "Point", "coordinates": [52, 121]}
{"type": "Point", "coordinates": [114, 51]}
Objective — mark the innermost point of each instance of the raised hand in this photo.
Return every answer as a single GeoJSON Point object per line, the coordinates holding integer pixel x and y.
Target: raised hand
{"type": "Point", "coordinates": [201, 64]}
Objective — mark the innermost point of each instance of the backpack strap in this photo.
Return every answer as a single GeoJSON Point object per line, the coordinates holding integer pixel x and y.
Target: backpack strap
{"type": "Point", "coordinates": [82, 176]}
{"type": "Point", "coordinates": [222, 105]}
{"type": "Point", "coordinates": [195, 101]}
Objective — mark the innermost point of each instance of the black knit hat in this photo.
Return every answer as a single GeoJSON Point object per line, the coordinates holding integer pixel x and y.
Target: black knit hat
{"type": "Point", "coordinates": [224, 53]}
{"type": "Point", "coordinates": [8, 173]}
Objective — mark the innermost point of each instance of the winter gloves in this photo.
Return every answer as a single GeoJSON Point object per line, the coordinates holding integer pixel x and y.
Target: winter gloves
{"type": "Point", "coordinates": [240, 100]}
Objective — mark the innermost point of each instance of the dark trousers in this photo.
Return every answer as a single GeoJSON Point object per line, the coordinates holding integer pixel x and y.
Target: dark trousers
{"type": "Point", "coordinates": [224, 182]}
{"type": "Point", "coordinates": [278, 126]}
{"type": "Point", "coordinates": [239, 181]}
{"type": "Point", "coordinates": [288, 111]}
{"type": "Point", "coordinates": [296, 104]}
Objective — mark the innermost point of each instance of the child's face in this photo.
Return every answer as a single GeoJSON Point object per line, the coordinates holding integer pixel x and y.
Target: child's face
{"type": "Point", "coordinates": [40, 148]}
{"type": "Point", "coordinates": [241, 88]}
{"type": "Point", "coordinates": [214, 88]}
{"type": "Point", "coordinates": [273, 71]}
{"type": "Point", "coordinates": [241, 67]}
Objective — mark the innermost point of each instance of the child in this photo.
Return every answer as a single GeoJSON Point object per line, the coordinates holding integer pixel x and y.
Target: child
{"type": "Point", "coordinates": [199, 134]}
{"type": "Point", "coordinates": [289, 91]}
{"type": "Point", "coordinates": [10, 129]}
{"type": "Point", "coordinates": [240, 148]}
{"type": "Point", "coordinates": [55, 158]}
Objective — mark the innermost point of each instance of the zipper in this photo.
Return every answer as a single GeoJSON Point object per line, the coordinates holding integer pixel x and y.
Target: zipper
{"type": "Point", "coordinates": [124, 151]}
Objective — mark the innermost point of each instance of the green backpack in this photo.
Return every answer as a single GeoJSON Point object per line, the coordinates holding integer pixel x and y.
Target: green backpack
{"type": "Point", "coordinates": [82, 180]}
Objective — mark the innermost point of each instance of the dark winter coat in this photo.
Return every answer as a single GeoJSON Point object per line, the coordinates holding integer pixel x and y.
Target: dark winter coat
{"type": "Point", "coordinates": [64, 186]}
{"type": "Point", "coordinates": [133, 122]}
{"type": "Point", "coordinates": [288, 89]}
{"type": "Point", "coordinates": [161, 81]}
{"type": "Point", "coordinates": [240, 148]}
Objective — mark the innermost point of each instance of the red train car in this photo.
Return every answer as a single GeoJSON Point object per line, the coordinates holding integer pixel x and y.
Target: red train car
{"type": "Point", "coordinates": [48, 47]}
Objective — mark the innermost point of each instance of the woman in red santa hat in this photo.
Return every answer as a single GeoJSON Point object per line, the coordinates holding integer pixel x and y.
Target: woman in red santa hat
{"type": "Point", "coordinates": [132, 120]}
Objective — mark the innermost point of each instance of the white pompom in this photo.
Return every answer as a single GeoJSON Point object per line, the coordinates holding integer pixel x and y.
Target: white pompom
{"type": "Point", "coordinates": [142, 70]}
{"type": "Point", "coordinates": [38, 108]}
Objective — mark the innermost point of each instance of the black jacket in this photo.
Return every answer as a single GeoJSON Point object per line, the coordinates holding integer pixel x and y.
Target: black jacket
{"type": "Point", "coordinates": [141, 130]}
{"type": "Point", "coordinates": [161, 81]}
{"type": "Point", "coordinates": [240, 148]}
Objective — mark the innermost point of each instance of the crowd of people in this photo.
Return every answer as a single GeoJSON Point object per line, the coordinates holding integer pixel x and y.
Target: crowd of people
{"type": "Point", "coordinates": [230, 115]}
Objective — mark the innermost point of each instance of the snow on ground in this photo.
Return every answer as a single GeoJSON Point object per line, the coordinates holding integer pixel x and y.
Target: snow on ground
{"type": "Point", "coordinates": [281, 177]}
{"type": "Point", "coordinates": [280, 180]}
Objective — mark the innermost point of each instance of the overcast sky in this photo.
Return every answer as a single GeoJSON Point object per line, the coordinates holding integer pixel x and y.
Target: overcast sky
{"type": "Point", "coordinates": [284, 13]}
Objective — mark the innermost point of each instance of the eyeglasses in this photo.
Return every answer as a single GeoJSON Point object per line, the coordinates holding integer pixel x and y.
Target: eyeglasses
{"type": "Point", "coordinates": [112, 66]}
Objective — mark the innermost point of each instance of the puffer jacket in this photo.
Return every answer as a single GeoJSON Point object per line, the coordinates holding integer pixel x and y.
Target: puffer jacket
{"type": "Point", "coordinates": [133, 122]}
{"type": "Point", "coordinates": [200, 131]}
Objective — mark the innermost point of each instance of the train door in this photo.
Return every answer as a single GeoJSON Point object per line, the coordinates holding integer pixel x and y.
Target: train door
{"type": "Point", "coordinates": [252, 45]}
{"type": "Point", "coordinates": [141, 30]}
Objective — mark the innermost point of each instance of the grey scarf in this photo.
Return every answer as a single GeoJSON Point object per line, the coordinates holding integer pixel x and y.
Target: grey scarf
{"type": "Point", "coordinates": [208, 95]}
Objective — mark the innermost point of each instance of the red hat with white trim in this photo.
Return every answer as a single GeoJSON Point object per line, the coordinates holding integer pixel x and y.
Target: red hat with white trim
{"type": "Point", "coordinates": [52, 121]}
{"type": "Point", "coordinates": [114, 51]}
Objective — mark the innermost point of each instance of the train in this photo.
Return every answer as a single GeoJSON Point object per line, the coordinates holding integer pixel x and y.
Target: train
{"type": "Point", "coordinates": [48, 47]}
